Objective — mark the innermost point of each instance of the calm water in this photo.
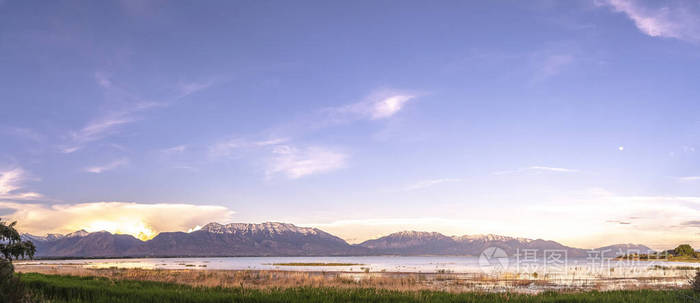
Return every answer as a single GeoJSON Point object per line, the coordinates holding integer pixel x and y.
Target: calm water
{"type": "Point", "coordinates": [579, 267]}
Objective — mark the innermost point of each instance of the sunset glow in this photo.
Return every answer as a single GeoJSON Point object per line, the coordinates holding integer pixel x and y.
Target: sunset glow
{"type": "Point", "coordinates": [126, 226]}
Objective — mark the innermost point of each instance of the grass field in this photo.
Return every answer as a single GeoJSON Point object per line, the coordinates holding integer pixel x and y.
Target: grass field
{"type": "Point", "coordinates": [55, 288]}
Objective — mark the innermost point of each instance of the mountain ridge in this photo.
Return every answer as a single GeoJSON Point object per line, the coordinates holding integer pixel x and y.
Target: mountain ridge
{"type": "Point", "coordinates": [285, 239]}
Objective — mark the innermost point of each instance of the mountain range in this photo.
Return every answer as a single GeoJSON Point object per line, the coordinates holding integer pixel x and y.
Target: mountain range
{"type": "Point", "coordinates": [282, 239]}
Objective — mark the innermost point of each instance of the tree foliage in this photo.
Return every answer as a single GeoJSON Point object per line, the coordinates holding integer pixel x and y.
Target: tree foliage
{"type": "Point", "coordinates": [684, 250]}
{"type": "Point", "coordinates": [11, 244]}
{"type": "Point", "coordinates": [11, 248]}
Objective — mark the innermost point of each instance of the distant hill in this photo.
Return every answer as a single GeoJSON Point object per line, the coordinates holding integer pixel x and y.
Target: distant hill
{"type": "Point", "coordinates": [424, 243]}
{"type": "Point", "coordinates": [629, 248]}
{"type": "Point", "coordinates": [84, 244]}
{"type": "Point", "coordinates": [282, 239]}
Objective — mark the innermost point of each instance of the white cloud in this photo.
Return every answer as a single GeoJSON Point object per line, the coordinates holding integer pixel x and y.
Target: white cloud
{"type": "Point", "coordinates": [389, 106]}
{"type": "Point", "coordinates": [109, 166]}
{"type": "Point", "coordinates": [11, 185]}
{"type": "Point", "coordinates": [299, 162]}
{"type": "Point", "coordinates": [677, 20]}
{"type": "Point", "coordinates": [379, 105]}
{"type": "Point", "coordinates": [282, 159]}
{"type": "Point", "coordinates": [429, 183]}
{"type": "Point", "coordinates": [138, 219]}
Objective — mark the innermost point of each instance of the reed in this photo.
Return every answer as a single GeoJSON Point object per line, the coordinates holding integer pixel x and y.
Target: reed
{"type": "Point", "coordinates": [65, 289]}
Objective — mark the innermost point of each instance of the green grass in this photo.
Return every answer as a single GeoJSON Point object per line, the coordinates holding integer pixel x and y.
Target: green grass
{"type": "Point", "coordinates": [661, 267]}
{"type": "Point", "coordinates": [315, 264]}
{"type": "Point", "coordinates": [661, 257]}
{"type": "Point", "coordinates": [62, 289]}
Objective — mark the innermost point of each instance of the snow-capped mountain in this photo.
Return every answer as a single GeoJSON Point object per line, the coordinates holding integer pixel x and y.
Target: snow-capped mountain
{"type": "Point", "coordinates": [283, 239]}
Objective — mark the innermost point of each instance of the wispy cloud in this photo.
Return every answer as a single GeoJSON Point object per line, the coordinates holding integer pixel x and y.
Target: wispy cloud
{"type": "Point", "coordinates": [11, 182]}
{"type": "Point", "coordinates": [695, 223]}
{"type": "Point", "coordinates": [138, 219]}
{"type": "Point", "coordinates": [689, 178]}
{"type": "Point", "coordinates": [174, 150]}
{"type": "Point", "coordinates": [679, 20]}
{"type": "Point", "coordinates": [109, 166]}
{"type": "Point", "coordinates": [429, 183]}
{"type": "Point", "coordinates": [537, 169]}
{"type": "Point", "coordinates": [300, 162]}
{"type": "Point", "coordinates": [104, 126]}
{"type": "Point", "coordinates": [189, 88]}
{"type": "Point", "coordinates": [110, 122]}
{"type": "Point", "coordinates": [23, 133]}
{"type": "Point", "coordinates": [103, 80]}
{"type": "Point", "coordinates": [233, 145]}
{"type": "Point", "coordinates": [554, 64]}
{"type": "Point", "coordinates": [274, 141]}
{"type": "Point", "coordinates": [553, 169]}
{"type": "Point", "coordinates": [283, 157]}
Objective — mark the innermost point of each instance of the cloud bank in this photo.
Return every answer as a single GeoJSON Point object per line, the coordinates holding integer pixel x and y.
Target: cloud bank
{"type": "Point", "coordinates": [10, 185]}
{"type": "Point", "coordinates": [138, 219]}
{"type": "Point", "coordinates": [588, 220]}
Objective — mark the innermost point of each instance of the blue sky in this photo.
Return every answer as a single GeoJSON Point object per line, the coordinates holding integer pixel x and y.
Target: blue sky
{"type": "Point", "coordinates": [360, 118]}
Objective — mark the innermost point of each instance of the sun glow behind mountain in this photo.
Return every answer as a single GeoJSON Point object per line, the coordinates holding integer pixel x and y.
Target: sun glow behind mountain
{"type": "Point", "coordinates": [143, 221]}
{"type": "Point", "coordinates": [136, 228]}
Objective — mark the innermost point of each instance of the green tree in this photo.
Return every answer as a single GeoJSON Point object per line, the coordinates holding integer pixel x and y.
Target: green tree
{"type": "Point", "coordinates": [11, 248]}
{"type": "Point", "coordinates": [684, 250]}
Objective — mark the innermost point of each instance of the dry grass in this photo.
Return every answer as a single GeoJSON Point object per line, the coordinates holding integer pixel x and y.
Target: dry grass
{"type": "Point", "coordinates": [263, 279]}
{"type": "Point", "coordinates": [245, 278]}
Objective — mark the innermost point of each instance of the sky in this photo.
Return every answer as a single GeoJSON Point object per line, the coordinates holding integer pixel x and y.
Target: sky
{"type": "Point", "coordinates": [574, 121]}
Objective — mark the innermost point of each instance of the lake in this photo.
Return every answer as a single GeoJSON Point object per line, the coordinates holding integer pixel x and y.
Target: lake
{"type": "Point", "coordinates": [405, 264]}
{"type": "Point", "coordinates": [457, 273]}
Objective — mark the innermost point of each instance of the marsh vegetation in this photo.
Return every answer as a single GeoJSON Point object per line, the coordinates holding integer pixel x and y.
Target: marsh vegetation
{"type": "Point", "coordinates": [64, 289]}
